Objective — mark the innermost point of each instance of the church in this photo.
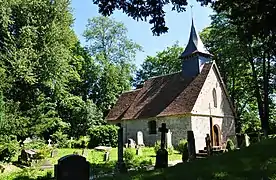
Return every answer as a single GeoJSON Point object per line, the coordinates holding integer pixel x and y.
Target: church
{"type": "Point", "coordinates": [193, 99]}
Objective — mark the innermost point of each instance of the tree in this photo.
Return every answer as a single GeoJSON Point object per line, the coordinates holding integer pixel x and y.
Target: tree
{"type": "Point", "coordinates": [113, 53]}
{"type": "Point", "coordinates": [165, 62]}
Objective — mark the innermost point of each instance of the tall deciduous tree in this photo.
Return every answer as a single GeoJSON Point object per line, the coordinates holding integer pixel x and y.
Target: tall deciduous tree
{"type": "Point", "coordinates": [165, 62]}
{"type": "Point", "coordinates": [114, 53]}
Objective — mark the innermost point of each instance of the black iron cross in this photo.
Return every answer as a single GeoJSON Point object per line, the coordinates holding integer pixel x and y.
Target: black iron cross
{"type": "Point", "coordinates": [163, 131]}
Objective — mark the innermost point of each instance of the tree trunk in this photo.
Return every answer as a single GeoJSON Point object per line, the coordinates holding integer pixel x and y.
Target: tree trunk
{"type": "Point", "coordinates": [266, 75]}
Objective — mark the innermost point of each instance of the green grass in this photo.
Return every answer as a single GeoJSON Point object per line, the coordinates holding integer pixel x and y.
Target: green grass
{"type": "Point", "coordinates": [253, 163]}
{"type": "Point", "coordinates": [96, 158]}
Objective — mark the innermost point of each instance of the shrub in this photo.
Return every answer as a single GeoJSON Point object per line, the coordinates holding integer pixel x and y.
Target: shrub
{"type": "Point", "coordinates": [170, 150]}
{"type": "Point", "coordinates": [129, 155]}
{"type": "Point", "coordinates": [82, 142]}
{"type": "Point", "coordinates": [60, 139]}
{"type": "Point", "coordinates": [105, 135]}
{"type": "Point", "coordinates": [8, 148]}
{"type": "Point", "coordinates": [230, 146]}
{"type": "Point", "coordinates": [35, 144]}
{"type": "Point", "coordinates": [182, 146]}
{"type": "Point", "coordinates": [157, 146]}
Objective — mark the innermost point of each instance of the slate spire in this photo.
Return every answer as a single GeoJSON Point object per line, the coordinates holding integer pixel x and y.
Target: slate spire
{"type": "Point", "coordinates": [195, 44]}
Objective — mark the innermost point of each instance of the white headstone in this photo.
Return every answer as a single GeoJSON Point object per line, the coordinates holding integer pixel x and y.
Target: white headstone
{"type": "Point", "coordinates": [246, 138]}
{"type": "Point", "coordinates": [169, 139]}
{"type": "Point", "coordinates": [140, 140]}
{"type": "Point", "coordinates": [49, 142]}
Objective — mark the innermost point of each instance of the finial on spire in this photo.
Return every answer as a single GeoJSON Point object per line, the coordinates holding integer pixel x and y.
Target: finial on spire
{"type": "Point", "coordinates": [192, 11]}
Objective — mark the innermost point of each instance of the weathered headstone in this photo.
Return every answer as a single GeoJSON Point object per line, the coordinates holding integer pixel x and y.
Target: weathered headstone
{"type": "Point", "coordinates": [131, 143]}
{"type": "Point", "coordinates": [121, 166]}
{"type": "Point", "coordinates": [84, 152]}
{"type": "Point", "coordinates": [140, 138]}
{"type": "Point", "coordinates": [246, 139]}
{"type": "Point", "coordinates": [162, 153]}
{"type": "Point", "coordinates": [46, 164]}
{"type": "Point", "coordinates": [138, 151]}
{"type": "Point", "coordinates": [208, 144]}
{"type": "Point", "coordinates": [191, 145]}
{"type": "Point", "coordinates": [54, 153]}
{"type": "Point", "coordinates": [49, 142]}
{"type": "Point", "coordinates": [169, 139]}
{"type": "Point", "coordinates": [106, 156]}
{"type": "Point", "coordinates": [72, 167]}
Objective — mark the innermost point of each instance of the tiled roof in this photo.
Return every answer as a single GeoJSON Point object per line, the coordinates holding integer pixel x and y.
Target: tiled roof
{"type": "Point", "coordinates": [160, 96]}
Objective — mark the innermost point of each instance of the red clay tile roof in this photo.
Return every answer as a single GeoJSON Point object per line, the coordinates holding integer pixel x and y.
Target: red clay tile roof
{"type": "Point", "coordinates": [160, 96]}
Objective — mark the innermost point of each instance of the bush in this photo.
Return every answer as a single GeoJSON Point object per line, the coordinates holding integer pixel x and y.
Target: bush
{"type": "Point", "coordinates": [105, 135]}
{"type": "Point", "coordinates": [35, 144]}
{"type": "Point", "coordinates": [82, 142]}
{"type": "Point", "coordinates": [129, 155]}
{"type": "Point", "coordinates": [230, 146]}
{"type": "Point", "coordinates": [157, 146]}
{"type": "Point", "coordinates": [8, 148]}
{"type": "Point", "coordinates": [170, 150]}
{"type": "Point", "coordinates": [182, 146]}
{"type": "Point", "coordinates": [60, 139]}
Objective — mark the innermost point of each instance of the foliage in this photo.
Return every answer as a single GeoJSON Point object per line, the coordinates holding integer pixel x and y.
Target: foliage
{"type": "Point", "coordinates": [165, 62]}
{"type": "Point", "coordinates": [105, 135]}
{"type": "Point", "coordinates": [114, 53]}
{"type": "Point", "coordinates": [60, 139]}
{"type": "Point", "coordinates": [157, 146]}
{"type": "Point", "coordinates": [9, 147]}
{"type": "Point", "coordinates": [182, 146]}
{"type": "Point", "coordinates": [230, 145]}
{"type": "Point", "coordinates": [129, 156]}
{"type": "Point", "coordinates": [82, 142]}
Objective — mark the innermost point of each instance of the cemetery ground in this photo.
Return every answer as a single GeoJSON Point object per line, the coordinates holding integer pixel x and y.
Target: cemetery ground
{"type": "Point", "coordinates": [95, 157]}
{"type": "Point", "coordinates": [256, 162]}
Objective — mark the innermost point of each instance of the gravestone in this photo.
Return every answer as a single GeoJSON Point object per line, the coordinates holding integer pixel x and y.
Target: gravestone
{"type": "Point", "coordinates": [121, 166]}
{"type": "Point", "coordinates": [140, 138]}
{"type": "Point", "coordinates": [131, 143]}
{"type": "Point", "coordinates": [208, 144]}
{"type": "Point", "coordinates": [49, 142]}
{"type": "Point", "coordinates": [162, 153]}
{"type": "Point", "coordinates": [72, 167]}
{"type": "Point", "coordinates": [138, 151]}
{"type": "Point", "coordinates": [46, 164]}
{"type": "Point", "coordinates": [191, 145]}
{"type": "Point", "coordinates": [106, 156]}
{"type": "Point", "coordinates": [246, 139]}
{"type": "Point", "coordinates": [54, 153]}
{"type": "Point", "coordinates": [84, 152]}
{"type": "Point", "coordinates": [169, 139]}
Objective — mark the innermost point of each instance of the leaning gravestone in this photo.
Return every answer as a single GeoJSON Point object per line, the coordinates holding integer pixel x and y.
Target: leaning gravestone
{"type": "Point", "coordinates": [169, 139]}
{"type": "Point", "coordinates": [72, 167]}
{"type": "Point", "coordinates": [162, 153]}
{"type": "Point", "coordinates": [140, 140]}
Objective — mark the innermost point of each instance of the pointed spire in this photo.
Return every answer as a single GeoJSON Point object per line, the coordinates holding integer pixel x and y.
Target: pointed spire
{"type": "Point", "coordinates": [195, 44]}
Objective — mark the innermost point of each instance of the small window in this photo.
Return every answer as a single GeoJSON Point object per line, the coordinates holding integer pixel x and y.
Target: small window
{"type": "Point", "coordinates": [152, 127]}
{"type": "Point", "coordinates": [215, 98]}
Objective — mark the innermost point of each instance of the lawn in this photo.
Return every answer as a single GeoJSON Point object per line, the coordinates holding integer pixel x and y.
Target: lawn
{"type": "Point", "coordinates": [253, 163]}
{"type": "Point", "coordinates": [96, 158]}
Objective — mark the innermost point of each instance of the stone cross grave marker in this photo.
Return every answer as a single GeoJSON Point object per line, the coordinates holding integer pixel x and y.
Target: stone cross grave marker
{"type": "Point", "coordinates": [169, 139]}
{"type": "Point", "coordinates": [162, 153]}
{"type": "Point", "coordinates": [49, 142]}
{"type": "Point", "coordinates": [72, 167]}
{"type": "Point", "coordinates": [191, 145]}
{"type": "Point", "coordinates": [121, 166]}
{"type": "Point", "coordinates": [140, 139]}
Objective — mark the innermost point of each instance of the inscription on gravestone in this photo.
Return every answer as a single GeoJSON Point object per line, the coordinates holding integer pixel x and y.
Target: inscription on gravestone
{"type": "Point", "coordinates": [72, 167]}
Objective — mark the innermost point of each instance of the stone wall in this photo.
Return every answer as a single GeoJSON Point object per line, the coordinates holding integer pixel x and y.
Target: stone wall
{"type": "Point", "coordinates": [177, 125]}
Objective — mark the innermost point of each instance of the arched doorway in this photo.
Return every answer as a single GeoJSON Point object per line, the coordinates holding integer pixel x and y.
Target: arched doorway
{"type": "Point", "coordinates": [217, 135]}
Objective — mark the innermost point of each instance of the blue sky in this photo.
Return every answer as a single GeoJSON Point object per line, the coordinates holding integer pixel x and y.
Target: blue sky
{"type": "Point", "coordinates": [178, 23]}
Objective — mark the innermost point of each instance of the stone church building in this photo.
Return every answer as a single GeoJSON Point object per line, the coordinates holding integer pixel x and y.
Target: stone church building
{"type": "Point", "coordinates": [193, 99]}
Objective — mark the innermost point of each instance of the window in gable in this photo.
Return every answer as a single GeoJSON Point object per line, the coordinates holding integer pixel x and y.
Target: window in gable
{"type": "Point", "coordinates": [215, 98]}
{"type": "Point", "coordinates": [152, 127]}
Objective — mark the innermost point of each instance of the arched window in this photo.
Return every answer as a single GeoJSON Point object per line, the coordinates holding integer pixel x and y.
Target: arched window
{"type": "Point", "coordinates": [215, 98]}
{"type": "Point", "coordinates": [152, 127]}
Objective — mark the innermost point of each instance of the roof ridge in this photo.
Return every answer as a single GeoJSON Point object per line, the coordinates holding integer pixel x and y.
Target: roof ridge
{"type": "Point", "coordinates": [153, 77]}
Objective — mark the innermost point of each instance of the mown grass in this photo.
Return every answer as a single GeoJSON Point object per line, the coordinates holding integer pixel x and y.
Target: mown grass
{"type": "Point", "coordinates": [96, 158]}
{"type": "Point", "coordinates": [253, 163]}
